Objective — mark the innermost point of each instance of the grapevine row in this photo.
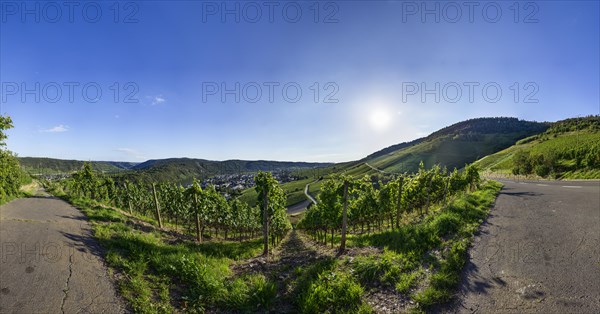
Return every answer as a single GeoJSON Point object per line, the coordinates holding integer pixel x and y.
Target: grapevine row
{"type": "Point", "coordinates": [205, 210]}
{"type": "Point", "coordinates": [377, 205]}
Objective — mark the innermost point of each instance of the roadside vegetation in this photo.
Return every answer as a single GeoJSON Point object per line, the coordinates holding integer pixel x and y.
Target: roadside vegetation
{"type": "Point", "coordinates": [161, 271]}
{"type": "Point", "coordinates": [11, 175]}
{"type": "Point", "coordinates": [569, 149]}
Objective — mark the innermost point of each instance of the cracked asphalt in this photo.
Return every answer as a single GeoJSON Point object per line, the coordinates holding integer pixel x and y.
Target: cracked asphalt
{"type": "Point", "coordinates": [50, 263]}
{"type": "Point", "coordinates": [538, 252]}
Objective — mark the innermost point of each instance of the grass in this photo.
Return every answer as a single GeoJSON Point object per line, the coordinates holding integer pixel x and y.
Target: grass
{"type": "Point", "coordinates": [325, 288]}
{"type": "Point", "coordinates": [502, 161]}
{"type": "Point", "coordinates": [158, 276]}
{"type": "Point", "coordinates": [294, 191]}
{"type": "Point", "coordinates": [27, 189]}
{"type": "Point", "coordinates": [423, 258]}
{"type": "Point", "coordinates": [157, 273]}
{"type": "Point", "coordinates": [452, 151]}
{"type": "Point", "coordinates": [395, 270]}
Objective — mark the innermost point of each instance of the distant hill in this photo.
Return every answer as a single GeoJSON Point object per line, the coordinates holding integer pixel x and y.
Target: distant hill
{"type": "Point", "coordinates": [455, 145]}
{"type": "Point", "coordinates": [42, 165]}
{"type": "Point", "coordinates": [180, 170]}
{"type": "Point", "coordinates": [227, 166]}
{"type": "Point", "coordinates": [184, 170]}
{"type": "Point", "coordinates": [569, 149]}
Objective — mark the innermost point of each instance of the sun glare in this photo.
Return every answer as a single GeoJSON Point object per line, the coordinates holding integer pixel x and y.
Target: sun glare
{"type": "Point", "coordinates": [380, 119]}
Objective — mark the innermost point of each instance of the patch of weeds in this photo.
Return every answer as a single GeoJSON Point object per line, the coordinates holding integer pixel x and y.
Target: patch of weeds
{"type": "Point", "coordinates": [388, 268]}
{"type": "Point", "coordinates": [322, 288]}
{"type": "Point", "coordinates": [407, 280]}
{"type": "Point", "coordinates": [472, 209]}
{"type": "Point", "coordinates": [333, 292]}
{"type": "Point", "coordinates": [250, 293]}
{"type": "Point", "coordinates": [446, 223]}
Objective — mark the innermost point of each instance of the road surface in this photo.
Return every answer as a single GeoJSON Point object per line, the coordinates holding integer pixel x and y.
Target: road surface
{"type": "Point", "coordinates": [49, 261]}
{"type": "Point", "coordinates": [302, 206]}
{"type": "Point", "coordinates": [539, 251]}
{"type": "Point", "coordinates": [378, 170]}
{"type": "Point", "coordinates": [298, 207]}
{"type": "Point", "coordinates": [308, 194]}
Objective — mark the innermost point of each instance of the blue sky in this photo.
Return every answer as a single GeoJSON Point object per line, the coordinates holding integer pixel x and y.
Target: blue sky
{"type": "Point", "coordinates": [370, 62]}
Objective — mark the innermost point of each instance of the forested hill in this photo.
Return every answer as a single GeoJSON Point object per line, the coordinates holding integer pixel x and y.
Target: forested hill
{"type": "Point", "coordinates": [186, 169]}
{"type": "Point", "coordinates": [227, 166]}
{"type": "Point", "coordinates": [456, 145]}
{"type": "Point", "coordinates": [182, 170]}
{"type": "Point", "coordinates": [42, 165]}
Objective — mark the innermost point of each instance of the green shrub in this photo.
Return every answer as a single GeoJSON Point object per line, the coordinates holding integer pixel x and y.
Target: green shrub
{"type": "Point", "coordinates": [446, 223]}
{"type": "Point", "coordinates": [333, 292]}
{"type": "Point", "coordinates": [250, 293]}
{"type": "Point", "coordinates": [390, 268]}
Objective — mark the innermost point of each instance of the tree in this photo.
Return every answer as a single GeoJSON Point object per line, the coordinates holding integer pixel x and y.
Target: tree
{"type": "Point", "coordinates": [472, 176]}
{"type": "Point", "coordinates": [522, 163]}
{"type": "Point", "coordinates": [10, 171]}
{"type": "Point", "coordinates": [5, 124]}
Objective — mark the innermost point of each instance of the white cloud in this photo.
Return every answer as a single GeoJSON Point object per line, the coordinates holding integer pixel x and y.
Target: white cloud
{"type": "Point", "coordinates": [157, 100]}
{"type": "Point", "coordinates": [57, 129]}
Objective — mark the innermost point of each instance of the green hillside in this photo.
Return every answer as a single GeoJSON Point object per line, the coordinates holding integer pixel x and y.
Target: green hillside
{"type": "Point", "coordinates": [569, 149]}
{"type": "Point", "coordinates": [185, 170]}
{"type": "Point", "coordinates": [40, 165]}
{"type": "Point", "coordinates": [456, 145]}
{"type": "Point", "coordinates": [453, 146]}
{"type": "Point", "coordinates": [179, 170]}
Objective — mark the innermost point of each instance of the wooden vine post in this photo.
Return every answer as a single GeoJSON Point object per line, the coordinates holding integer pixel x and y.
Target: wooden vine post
{"type": "Point", "coordinates": [265, 222]}
{"type": "Point", "coordinates": [399, 205]}
{"type": "Point", "coordinates": [160, 225]}
{"type": "Point", "coordinates": [128, 199]}
{"type": "Point", "coordinates": [344, 219]}
{"type": "Point", "coordinates": [198, 230]}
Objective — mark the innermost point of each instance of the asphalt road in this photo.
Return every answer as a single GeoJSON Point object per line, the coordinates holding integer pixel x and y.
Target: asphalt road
{"type": "Point", "coordinates": [301, 206]}
{"type": "Point", "coordinates": [308, 194]}
{"type": "Point", "coordinates": [298, 207]}
{"type": "Point", "coordinates": [49, 261]}
{"type": "Point", "coordinates": [538, 252]}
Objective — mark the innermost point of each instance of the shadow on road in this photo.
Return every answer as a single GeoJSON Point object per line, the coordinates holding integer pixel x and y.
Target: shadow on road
{"type": "Point", "coordinates": [85, 243]}
{"type": "Point", "coordinates": [479, 286]}
{"type": "Point", "coordinates": [522, 193]}
{"type": "Point", "coordinates": [46, 197]}
{"type": "Point", "coordinates": [506, 191]}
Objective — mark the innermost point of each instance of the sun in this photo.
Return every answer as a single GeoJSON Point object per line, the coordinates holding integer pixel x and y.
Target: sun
{"type": "Point", "coordinates": [380, 119]}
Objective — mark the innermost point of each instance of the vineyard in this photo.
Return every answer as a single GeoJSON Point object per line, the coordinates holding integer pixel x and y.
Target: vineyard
{"type": "Point", "coordinates": [357, 205]}
{"type": "Point", "coordinates": [352, 212]}
{"type": "Point", "coordinates": [204, 212]}
{"type": "Point", "coordinates": [193, 249]}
